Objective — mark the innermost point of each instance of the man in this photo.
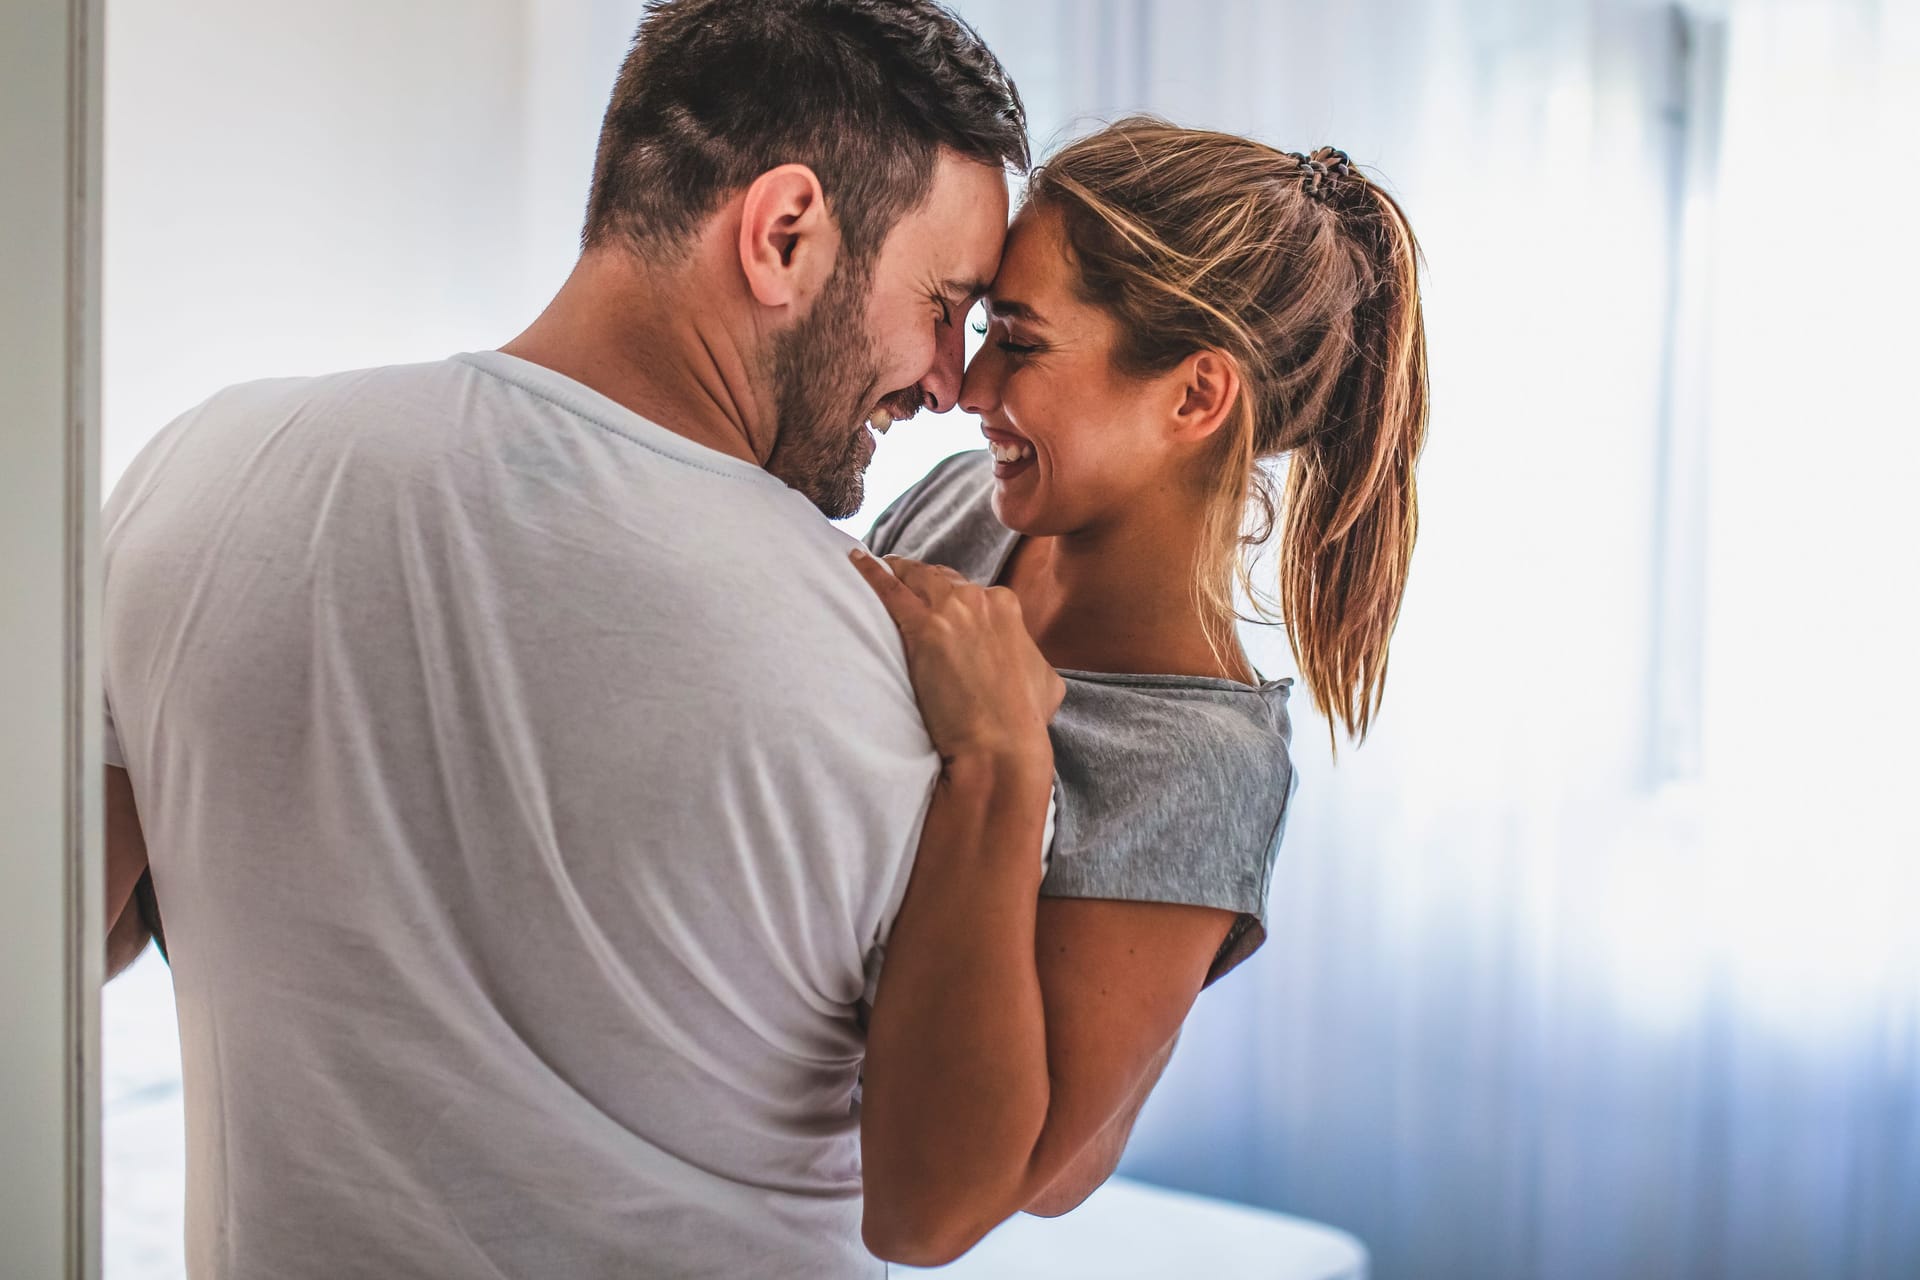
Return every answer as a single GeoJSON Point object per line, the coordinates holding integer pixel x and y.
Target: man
{"type": "Point", "coordinates": [528, 778]}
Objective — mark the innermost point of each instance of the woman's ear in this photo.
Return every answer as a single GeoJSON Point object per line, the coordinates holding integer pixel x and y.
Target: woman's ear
{"type": "Point", "coordinates": [1208, 383]}
{"type": "Point", "coordinates": [788, 240]}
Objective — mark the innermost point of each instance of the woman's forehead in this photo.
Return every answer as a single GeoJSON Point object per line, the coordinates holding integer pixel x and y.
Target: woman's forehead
{"type": "Point", "coordinates": [1034, 269]}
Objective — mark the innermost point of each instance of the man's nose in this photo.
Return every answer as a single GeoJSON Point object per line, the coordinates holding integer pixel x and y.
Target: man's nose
{"type": "Point", "coordinates": [942, 383]}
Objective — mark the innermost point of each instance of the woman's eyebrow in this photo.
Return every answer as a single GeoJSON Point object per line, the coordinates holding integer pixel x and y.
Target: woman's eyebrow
{"type": "Point", "coordinates": [1012, 310]}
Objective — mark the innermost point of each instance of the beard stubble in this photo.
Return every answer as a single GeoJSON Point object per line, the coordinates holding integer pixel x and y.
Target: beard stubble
{"type": "Point", "coordinates": [826, 381]}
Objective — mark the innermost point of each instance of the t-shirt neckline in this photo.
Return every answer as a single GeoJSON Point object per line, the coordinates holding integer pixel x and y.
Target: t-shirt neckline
{"type": "Point", "coordinates": [610, 415]}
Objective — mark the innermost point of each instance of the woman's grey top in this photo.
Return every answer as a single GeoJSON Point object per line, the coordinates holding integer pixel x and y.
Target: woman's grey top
{"type": "Point", "coordinates": [1168, 788]}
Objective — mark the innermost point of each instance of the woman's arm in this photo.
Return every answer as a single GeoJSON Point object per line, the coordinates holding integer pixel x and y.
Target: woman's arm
{"type": "Point", "coordinates": [1010, 1047]}
{"type": "Point", "coordinates": [1117, 979]}
{"type": "Point", "coordinates": [1008, 1033]}
{"type": "Point", "coordinates": [955, 1090]}
{"type": "Point", "coordinates": [1101, 1156]}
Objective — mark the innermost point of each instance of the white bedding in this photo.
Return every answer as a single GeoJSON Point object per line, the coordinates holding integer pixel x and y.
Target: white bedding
{"type": "Point", "coordinates": [1129, 1230]}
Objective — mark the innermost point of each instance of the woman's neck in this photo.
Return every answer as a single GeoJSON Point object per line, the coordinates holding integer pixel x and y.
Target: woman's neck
{"type": "Point", "coordinates": [1119, 599]}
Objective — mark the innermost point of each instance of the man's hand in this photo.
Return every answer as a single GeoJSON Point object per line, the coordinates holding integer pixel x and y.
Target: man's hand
{"type": "Point", "coordinates": [126, 940]}
{"type": "Point", "coordinates": [127, 934]}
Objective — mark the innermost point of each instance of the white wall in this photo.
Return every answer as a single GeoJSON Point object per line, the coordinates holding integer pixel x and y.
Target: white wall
{"type": "Point", "coordinates": [302, 188]}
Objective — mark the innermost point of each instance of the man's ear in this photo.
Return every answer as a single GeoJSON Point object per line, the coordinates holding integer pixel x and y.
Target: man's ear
{"type": "Point", "coordinates": [1207, 385]}
{"type": "Point", "coordinates": [788, 240]}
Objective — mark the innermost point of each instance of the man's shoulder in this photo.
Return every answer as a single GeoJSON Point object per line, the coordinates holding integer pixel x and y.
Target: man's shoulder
{"type": "Point", "coordinates": [776, 546]}
{"type": "Point", "coordinates": [376, 391]}
{"type": "Point", "coordinates": [215, 438]}
{"type": "Point", "coordinates": [304, 385]}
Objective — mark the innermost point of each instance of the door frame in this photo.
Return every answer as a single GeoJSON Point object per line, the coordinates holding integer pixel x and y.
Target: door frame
{"type": "Point", "coordinates": [52, 949]}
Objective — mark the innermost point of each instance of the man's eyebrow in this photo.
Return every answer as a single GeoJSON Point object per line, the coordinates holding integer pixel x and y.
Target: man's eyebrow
{"type": "Point", "coordinates": [968, 290]}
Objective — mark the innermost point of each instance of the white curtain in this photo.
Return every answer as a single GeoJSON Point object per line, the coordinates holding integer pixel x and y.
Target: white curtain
{"type": "Point", "coordinates": [1599, 959]}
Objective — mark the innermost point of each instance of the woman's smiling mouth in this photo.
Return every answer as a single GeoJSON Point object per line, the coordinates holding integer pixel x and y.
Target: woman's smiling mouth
{"type": "Point", "coordinates": [1012, 453]}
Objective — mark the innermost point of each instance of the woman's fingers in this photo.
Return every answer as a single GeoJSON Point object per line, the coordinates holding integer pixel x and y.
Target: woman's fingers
{"type": "Point", "coordinates": [983, 686]}
{"type": "Point", "coordinates": [933, 583]}
{"type": "Point", "coordinates": [903, 604]}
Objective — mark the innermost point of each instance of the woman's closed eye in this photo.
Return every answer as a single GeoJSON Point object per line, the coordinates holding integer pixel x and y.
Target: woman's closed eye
{"type": "Point", "coordinates": [1010, 347]}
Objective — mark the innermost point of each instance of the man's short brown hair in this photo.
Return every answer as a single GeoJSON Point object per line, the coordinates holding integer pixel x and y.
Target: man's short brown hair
{"type": "Point", "coordinates": [863, 92]}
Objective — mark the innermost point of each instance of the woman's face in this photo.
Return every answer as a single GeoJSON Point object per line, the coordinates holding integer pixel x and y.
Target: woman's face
{"type": "Point", "coordinates": [1076, 442]}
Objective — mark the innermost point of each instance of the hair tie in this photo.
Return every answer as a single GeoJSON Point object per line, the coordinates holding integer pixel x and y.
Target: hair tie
{"type": "Point", "coordinates": [1309, 179]}
{"type": "Point", "coordinates": [1317, 174]}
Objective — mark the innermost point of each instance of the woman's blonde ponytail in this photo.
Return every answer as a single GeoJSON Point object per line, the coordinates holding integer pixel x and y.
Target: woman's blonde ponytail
{"type": "Point", "coordinates": [1306, 274]}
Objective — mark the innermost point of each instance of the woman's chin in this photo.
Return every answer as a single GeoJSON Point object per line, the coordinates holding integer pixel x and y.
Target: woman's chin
{"type": "Point", "coordinates": [1008, 509]}
{"type": "Point", "coordinates": [1015, 507]}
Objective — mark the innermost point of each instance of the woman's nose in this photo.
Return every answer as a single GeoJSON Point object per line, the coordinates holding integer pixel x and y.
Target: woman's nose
{"type": "Point", "coordinates": [980, 389]}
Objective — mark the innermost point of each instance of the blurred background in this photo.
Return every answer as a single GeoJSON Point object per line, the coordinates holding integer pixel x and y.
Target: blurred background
{"type": "Point", "coordinates": [1600, 959]}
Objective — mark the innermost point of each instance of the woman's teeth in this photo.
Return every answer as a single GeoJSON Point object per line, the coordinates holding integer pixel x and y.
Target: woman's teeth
{"type": "Point", "coordinates": [1009, 452]}
{"type": "Point", "coordinates": [880, 421]}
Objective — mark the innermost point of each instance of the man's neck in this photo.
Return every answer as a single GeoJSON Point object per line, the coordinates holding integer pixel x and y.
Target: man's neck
{"type": "Point", "coordinates": [649, 345]}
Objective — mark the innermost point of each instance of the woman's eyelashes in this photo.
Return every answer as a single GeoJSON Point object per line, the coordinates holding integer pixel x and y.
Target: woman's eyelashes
{"type": "Point", "coordinates": [1006, 345]}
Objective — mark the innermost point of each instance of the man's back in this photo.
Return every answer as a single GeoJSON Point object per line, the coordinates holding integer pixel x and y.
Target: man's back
{"type": "Point", "coordinates": [526, 789]}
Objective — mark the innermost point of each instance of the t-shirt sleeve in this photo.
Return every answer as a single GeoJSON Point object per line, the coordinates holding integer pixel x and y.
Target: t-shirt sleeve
{"type": "Point", "coordinates": [932, 494]}
{"type": "Point", "coordinates": [1174, 802]}
{"type": "Point", "coordinates": [885, 532]}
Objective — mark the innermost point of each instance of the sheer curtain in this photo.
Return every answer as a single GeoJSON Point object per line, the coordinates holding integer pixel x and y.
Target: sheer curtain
{"type": "Point", "coordinates": [1598, 959]}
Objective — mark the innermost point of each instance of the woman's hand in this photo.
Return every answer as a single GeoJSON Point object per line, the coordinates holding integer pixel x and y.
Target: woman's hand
{"type": "Point", "coordinates": [983, 685]}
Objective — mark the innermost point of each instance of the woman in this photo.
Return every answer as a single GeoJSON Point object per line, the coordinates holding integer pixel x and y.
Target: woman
{"type": "Point", "coordinates": [1174, 309]}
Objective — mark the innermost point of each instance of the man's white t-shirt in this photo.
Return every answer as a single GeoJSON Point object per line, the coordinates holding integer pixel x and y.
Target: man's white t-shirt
{"type": "Point", "coordinates": [528, 790]}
